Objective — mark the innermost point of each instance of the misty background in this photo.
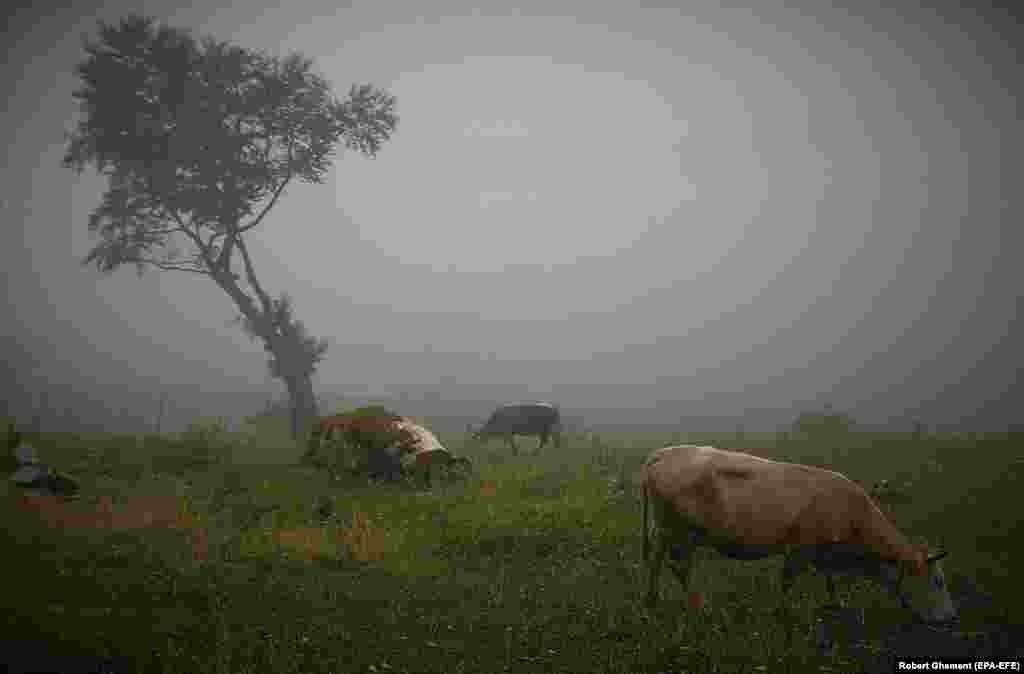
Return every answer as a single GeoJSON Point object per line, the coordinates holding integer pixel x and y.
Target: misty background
{"type": "Point", "coordinates": [653, 217]}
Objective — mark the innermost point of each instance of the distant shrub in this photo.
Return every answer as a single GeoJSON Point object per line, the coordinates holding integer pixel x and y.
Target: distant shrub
{"type": "Point", "coordinates": [206, 432]}
{"type": "Point", "coordinates": [272, 408]}
{"type": "Point", "coordinates": [205, 442]}
{"type": "Point", "coordinates": [823, 423]}
{"type": "Point", "coordinates": [265, 431]}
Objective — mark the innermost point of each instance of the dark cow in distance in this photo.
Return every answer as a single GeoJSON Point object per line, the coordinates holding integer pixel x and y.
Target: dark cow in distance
{"type": "Point", "coordinates": [508, 421]}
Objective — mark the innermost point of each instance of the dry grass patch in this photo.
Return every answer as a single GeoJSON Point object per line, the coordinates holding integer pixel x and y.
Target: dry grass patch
{"type": "Point", "coordinates": [488, 487]}
{"type": "Point", "coordinates": [199, 544]}
{"type": "Point", "coordinates": [365, 540]}
{"type": "Point", "coordinates": [136, 513]}
{"type": "Point", "coordinates": [309, 542]}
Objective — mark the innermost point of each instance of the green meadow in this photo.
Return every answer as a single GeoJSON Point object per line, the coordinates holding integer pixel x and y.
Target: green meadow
{"type": "Point", "coordinates": [251, 562]}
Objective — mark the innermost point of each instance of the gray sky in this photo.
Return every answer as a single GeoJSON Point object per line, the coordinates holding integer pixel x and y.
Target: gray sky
{"type": "Point", "coordinates": [711, 212]}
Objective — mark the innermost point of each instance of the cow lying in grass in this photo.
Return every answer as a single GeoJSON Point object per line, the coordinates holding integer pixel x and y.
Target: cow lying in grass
{"type": "Point", "coordinates": [751, 508]}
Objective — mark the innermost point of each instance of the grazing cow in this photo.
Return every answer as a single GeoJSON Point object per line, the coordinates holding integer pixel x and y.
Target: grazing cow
{"type": "Point", "coordinates": [748, 507]}
{"type": "Point", "coordinates": [540, 419]}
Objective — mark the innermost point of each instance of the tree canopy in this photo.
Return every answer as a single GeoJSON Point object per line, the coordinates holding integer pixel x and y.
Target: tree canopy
{"type": "Point", "coordinates": [194, 134]}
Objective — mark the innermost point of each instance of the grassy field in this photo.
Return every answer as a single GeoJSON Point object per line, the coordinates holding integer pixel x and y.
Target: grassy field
{"type": "Point", "coordinates": [216, 552]}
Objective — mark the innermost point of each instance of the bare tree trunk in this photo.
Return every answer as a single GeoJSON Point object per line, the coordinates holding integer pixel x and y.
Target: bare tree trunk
{"type": "Point", "coordinates": [293, 360]}
{"type": "Point", "coordinates": [303, 409]}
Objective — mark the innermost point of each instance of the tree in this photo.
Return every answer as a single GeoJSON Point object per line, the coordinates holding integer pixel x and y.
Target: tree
{"type": "Point", "coordinates": [198, 141]}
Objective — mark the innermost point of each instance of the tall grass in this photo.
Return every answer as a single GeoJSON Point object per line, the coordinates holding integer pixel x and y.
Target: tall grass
{"type": "Point", "coordinates": [248, 562]}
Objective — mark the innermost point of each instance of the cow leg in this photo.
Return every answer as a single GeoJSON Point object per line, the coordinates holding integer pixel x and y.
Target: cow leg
{"type": "Point", "coordinates": [681, 562]}
{"type": "Point", "coordinates": [795, 563]}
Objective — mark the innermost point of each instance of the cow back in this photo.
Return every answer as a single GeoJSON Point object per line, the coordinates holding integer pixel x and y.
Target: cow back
{"type": "Point", "coordinates": [755, 501]}
{"type": "Point", "coordinates": [525, 419]}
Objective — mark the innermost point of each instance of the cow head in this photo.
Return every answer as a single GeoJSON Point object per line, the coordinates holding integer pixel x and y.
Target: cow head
{"type": "Point", "coordinates": [923, 590]}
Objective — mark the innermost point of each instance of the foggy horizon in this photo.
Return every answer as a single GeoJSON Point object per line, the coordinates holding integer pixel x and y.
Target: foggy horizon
{"type": "Point", "coordinates": [646, 216]}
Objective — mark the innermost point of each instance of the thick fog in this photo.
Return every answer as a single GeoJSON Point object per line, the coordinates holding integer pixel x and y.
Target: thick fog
{"type": "Point", "coordinates": [653, 217]}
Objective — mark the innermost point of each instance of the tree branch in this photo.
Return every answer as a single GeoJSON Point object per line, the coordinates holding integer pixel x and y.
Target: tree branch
{"type": "Point", "coordinates": [273, 200]}
{"type": "Point", "coordinates": [250, 275]}
{"type": "Point", "coordinates": [170, 267]}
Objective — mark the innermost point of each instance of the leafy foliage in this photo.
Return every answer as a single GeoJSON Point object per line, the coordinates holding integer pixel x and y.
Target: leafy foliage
{"type": "Point", "coordinates": [193, 134]}
{"type": "Point", "coordinates": [372, 411]}
{"type": "Point", "coordinates": [312, 349]}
